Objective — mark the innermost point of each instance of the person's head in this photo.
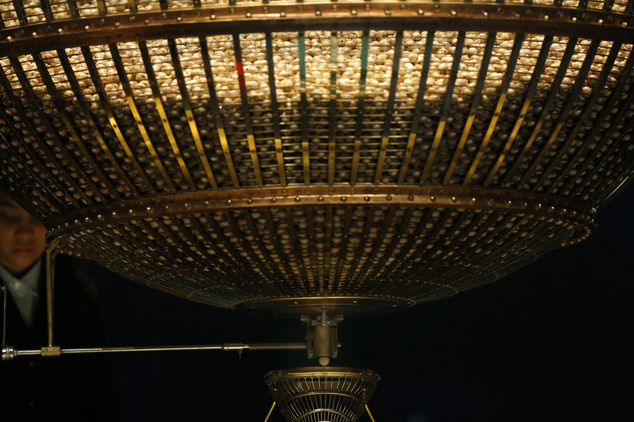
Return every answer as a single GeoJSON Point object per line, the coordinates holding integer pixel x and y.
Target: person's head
{"type": "Point", "coordinates": [22, 237]}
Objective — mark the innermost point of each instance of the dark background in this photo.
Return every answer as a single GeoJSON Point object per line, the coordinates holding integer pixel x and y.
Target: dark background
{"type": "Point", "coordinates": [550, 342]}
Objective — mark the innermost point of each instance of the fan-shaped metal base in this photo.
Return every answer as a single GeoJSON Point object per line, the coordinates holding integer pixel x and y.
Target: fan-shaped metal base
{"type": "Point", "coordinates": [322, 394]}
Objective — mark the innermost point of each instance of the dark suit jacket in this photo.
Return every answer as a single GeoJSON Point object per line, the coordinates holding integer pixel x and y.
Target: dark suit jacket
{"type": "Point", "coordinates": [71, 387]}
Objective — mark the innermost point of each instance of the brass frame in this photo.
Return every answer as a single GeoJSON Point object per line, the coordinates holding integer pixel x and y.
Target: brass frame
{"type": "Point", "coordinates": [354, 15]}
{"type": "Point", "coordinates": [528, 178]}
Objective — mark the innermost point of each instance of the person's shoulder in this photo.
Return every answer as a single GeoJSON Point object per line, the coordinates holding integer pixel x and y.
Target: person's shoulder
{"type": "Point", "coordinates": [77, 301]}
{"type": "Point", "coordinates": [73, 281]}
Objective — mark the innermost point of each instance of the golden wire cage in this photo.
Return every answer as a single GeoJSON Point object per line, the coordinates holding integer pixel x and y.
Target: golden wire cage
{"type": "Point", "coordinates": [287, 157]}
{"type": "Point", "coordinates": [322, 394]}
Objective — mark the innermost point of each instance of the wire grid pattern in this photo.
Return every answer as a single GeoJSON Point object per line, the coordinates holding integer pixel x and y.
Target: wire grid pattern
{"type": "Point", "coordinates": [322, 394]}
{"type": "Point", "coordinates": [130, 117]}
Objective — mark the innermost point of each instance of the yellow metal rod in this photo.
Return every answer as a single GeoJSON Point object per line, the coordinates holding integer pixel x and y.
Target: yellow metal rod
{"type": "Point", "coordinates": [270, 411]}
{"type": "Point", "coordinates": [50, 274]}
{"type": "Point", "coordinates": [367, 409]}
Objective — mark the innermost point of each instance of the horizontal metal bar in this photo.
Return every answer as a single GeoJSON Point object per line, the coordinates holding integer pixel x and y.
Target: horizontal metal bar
{"type": "Point", "coordinates": [91, 30]}
{"type": "Point", "coordinates": [9, 353]}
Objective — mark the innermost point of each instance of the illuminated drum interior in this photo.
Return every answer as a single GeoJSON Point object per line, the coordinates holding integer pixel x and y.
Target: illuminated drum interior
{"type": "Point", "coordinates": [367, 161]}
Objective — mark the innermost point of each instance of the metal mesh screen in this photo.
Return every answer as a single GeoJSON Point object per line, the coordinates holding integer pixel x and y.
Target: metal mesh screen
{"type": "Point", "coordinates": [322, 394]}
{"type": "Point", "coordinates": [238, 153]}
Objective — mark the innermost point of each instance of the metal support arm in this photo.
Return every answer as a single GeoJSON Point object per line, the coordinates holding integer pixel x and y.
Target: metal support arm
{"type": "Point", "coordinates": [9, 353]}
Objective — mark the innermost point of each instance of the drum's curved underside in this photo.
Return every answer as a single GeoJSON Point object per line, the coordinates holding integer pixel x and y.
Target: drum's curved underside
{"type": "Point", "coordinates": [282, 156]}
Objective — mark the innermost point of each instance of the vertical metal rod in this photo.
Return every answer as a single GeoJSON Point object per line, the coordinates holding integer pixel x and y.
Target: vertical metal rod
{"type": "Point", "coordinates": [54, 89]}
{"type": "Point", "coordinates": [215, 109]}
{"type": "Point", "coordinates": [250, 248]}
{"type": "Point", "coordinates": [162, 112]}
{"type": "Point", "coordinates": [4, 316]}
{"type": "Point", "coordinates": [389, 111]}
{"type": "Point", "coordinates": [270, 412]}
{"type": "Point", "coordinates": [508, 76]}
{"type": "Point", "coordinates": [303, 102]}
{"type": "Point", "coordinates": [256, 244]}
{"type": "Point", "coordinates": [278, 250]}
{"type": "Point", "coordinates": [50, 280]}
{"type": "Point", "coordinates": [451, 85]}
{"type": "Point", "coordinates": [72, 7]}
{"type": "Point", "coordinates": [332, 108]}
{"type": "Point", "coordinates": [13, 151]}
{"type": "Point", "coordinates": [27, 101]}
{"type": "Point", "coordinates": [369, 222]}
{"type": "Point", "coordinates": [297, 251]}
{"type": "Point", "coordinates": [407, 250]}
{"type": "Point", "coordinates": [277, 133]}
{"type": "Point", "coordinates": [589, 105]}
{"type": "Point", "coordinates": [545, 112]}
{"type": "Point", "coordinates": [532, 89]}
{"type": "Point", "coordinates": [97, 133]}
{"type": "Point", "coordinates": [143, 130]}
{"type": "Point", "coordinates": [367, 409]}
{"type": "Point", "coordinates": [563, 119]}
{"type": "Point", "coordinates": [418, 107]}
{"type": "Point", "coordinates": [114, 125]}
{"type": "Point", "coordinates": [482, 74]}
{"type": "Point", "coordinates": [608, 106]}
{"type": "Point", "coordinates": [248, 122]}
{"type": "Point", "coordinates": [360, 108]}
{"type": "Point", "coordinates": [187, 107]}
{"type": "Point", "coordinates": [18, 7]}
{"type": "Point", "coordinates": [46, 8]}
{"type": "Point", "coordinates": [344, 245]}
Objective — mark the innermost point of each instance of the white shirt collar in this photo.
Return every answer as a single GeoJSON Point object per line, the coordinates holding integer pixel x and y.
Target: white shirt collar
{"type": "Point", "coordinates": [24, 290]}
